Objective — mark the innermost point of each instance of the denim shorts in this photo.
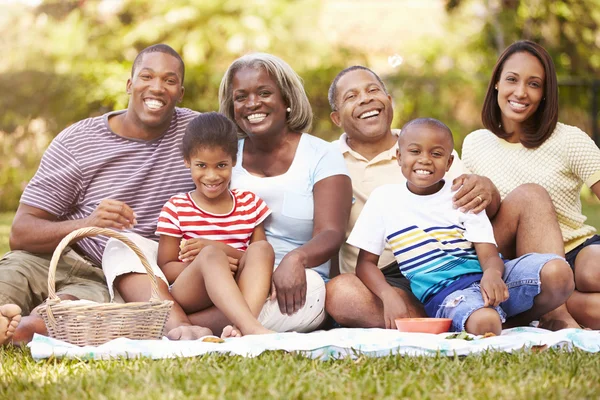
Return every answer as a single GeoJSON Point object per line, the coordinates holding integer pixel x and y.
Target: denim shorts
{"type": "Point", "coordinates": [522, 277]}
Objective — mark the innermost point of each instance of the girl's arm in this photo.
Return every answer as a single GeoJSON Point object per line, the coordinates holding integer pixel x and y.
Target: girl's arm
{"type": "Point", "coordinates": [192, 248]}
{"type": "Point", "coordinates": [258, 234]}
{"type": "Point", "coordinates": [168, 257]}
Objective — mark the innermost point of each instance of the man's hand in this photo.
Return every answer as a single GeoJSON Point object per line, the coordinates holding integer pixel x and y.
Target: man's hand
{"type": "Point", "coordinates": [112, 214]}
{"type": "Point", "coordinates": [493, 288]}
{"type": "Point", "coordinates": [475, 194]}
{"type": "Point", "coordinates": [393, 307]}
{"type": "Point", "coordinates": [289, 280]}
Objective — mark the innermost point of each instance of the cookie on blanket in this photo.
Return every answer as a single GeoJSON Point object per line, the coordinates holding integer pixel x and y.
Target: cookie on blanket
{"type": "Point", "coordinates": [212, 339]}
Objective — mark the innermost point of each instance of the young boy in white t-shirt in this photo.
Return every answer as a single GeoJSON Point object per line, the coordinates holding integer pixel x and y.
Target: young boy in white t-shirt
{"type": "Point", "coordinates": [450, 257]}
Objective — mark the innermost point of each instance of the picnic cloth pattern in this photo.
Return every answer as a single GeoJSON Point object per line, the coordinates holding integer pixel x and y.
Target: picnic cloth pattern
{"type": "Point", "coordinates": [325, 345]}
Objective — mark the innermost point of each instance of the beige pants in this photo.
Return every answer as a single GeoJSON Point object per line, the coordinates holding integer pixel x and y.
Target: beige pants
{"type": "Point", "coordinates": [118, 259]}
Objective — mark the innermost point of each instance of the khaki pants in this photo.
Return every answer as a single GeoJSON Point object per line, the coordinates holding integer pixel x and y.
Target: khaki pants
{"type": "Point", "coordinates": [24, 279]}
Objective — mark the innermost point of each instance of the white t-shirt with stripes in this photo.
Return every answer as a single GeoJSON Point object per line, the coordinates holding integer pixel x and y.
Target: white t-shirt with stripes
{"type": "Point", "coordinates": [87, 163]}
{"type": "Point", "coordinates": [181, 217]}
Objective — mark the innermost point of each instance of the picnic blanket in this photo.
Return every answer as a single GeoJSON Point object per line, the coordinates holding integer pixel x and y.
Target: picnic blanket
{"type": "Point", "coordinates": [336, 343]}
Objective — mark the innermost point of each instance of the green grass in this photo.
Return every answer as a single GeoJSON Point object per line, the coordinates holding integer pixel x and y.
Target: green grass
{"type": "Point", "coordinates": [524, 375]}
{"type": "Point", "coordinates": [551, 374]}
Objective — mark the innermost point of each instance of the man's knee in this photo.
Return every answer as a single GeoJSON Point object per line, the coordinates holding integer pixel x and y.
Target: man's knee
{"type": "Point", "coordinates": [341, 293]}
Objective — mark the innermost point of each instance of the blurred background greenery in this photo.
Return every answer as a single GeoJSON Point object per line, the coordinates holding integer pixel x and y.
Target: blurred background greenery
{"type": "Point", "coordinates": [63, 61]}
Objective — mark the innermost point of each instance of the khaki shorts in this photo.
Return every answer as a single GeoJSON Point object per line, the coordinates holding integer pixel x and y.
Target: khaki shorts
{"type": "Point", "coordinates": [24, 279]}
{"type": "Point", "coordinates": [119, 259]}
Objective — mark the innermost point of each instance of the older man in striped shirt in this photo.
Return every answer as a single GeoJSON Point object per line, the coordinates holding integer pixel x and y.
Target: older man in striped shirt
{"type": "Point", "coordinates": [113, 171]}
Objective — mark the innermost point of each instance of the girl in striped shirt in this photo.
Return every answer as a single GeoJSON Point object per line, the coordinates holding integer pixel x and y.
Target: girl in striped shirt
{"type": "Point", "coordinates": [213, 249]}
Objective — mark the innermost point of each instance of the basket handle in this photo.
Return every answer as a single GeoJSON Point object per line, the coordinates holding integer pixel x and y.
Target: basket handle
{"type": "Point", "coordinates": [93, 231]}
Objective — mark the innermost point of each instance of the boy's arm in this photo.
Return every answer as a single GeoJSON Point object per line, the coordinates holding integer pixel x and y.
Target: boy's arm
{"type": "Point", "coordinates": [168, 257]}
{"type": "Point", "coordinates": [368, 272]}
{"type": "Point", "coordinates": [493, 288]}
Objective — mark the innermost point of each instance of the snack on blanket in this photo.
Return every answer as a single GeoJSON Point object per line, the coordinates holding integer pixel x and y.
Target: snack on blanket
{"type": "Point", "coordinates": [462, 336]}
{"type": "Point", "coordinates": [213, 339]}
{"type": "Point", "coordinates": [488, 334]}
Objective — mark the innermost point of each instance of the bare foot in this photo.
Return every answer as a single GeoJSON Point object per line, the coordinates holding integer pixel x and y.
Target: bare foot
{"type": "Point", "coordinates": [558, 319]}
{"type": "Point", "coordinates": [10, 316]}
{"type": "Point", "coordinates": [261, 330]}
{"type": "Point", "coordinates": [188, 332]}
{"type": "Point", "coordinates": [233, 331]}
{"type": "Point", "coordinates": [230, 331]}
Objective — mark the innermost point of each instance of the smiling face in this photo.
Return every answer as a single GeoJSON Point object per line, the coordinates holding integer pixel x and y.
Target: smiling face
{"type": "Point", "coordinates": [258, 106]}
{"type": "Point", "coordinates": [154, 90]}
{"type": "Point", "coordinates": [424, 155]}
{"type": "Point", "coordinates": [211, 171]}
{"type": "Point", "coordinates": [364, 110]}
{"type": "Point", "coordinates": [520, 90]}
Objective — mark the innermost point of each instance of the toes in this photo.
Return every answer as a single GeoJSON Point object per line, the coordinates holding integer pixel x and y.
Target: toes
{"type": "Point", "coordinates": [12, 327]}
{"type": "Point", "coordinates": [174, 334]}
{"type": "Point", "coordinates": [230, 331]}
{"type": "Point", "coordinates": [10, 311]}
{"type": "Point", "coordinates": [226, 332]}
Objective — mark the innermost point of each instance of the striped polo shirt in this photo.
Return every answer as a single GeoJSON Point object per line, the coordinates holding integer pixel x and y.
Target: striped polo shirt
{"type": "Point", "coordinates": [182, 217]}
{"type": "Point", "coordinates": [87, 163]}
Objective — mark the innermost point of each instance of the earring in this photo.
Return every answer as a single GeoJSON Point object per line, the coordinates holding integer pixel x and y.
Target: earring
{"type": "Point", "coordinates": [288, 109]}
{"type": "Point", "coordinates": [496, 87]}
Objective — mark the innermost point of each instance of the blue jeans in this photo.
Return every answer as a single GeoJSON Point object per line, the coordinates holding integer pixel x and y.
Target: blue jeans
{"type": "Point", "coordinates": [522, 277]}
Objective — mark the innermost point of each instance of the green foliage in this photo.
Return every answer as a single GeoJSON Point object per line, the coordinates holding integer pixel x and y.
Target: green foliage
{"type": "Point", "coordinates": [66, 60]}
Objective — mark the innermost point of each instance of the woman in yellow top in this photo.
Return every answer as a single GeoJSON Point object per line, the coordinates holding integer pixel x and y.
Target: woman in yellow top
{"type": "Point", "coordinates": [524, 143]}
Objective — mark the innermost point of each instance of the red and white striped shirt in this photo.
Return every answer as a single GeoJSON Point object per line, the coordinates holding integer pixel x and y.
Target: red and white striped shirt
{"type": "Point", "coordinates": [181, 217]}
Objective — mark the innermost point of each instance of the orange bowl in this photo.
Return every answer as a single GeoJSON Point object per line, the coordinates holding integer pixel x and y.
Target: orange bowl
{"type": "Point", "coordinates": [423, 325]}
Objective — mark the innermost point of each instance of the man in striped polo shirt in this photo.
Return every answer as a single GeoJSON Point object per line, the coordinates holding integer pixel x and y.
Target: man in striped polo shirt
{"type": "Point", "coordinates": [113, 171]}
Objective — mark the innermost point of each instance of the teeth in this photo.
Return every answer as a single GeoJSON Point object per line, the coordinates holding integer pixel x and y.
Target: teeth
{"type": "Point", "coordinates": [517, 105]}
{"type": "Point", "coordinates": [368, 114]}
{"type": "Point", "coordinates": [256, 118]}
{"type": "Point", "coordinates": [422, 172]}
{"type": "Point", "coordinates": [153, 104]}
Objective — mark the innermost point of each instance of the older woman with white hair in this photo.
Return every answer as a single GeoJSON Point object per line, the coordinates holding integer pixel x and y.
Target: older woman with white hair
{"type": "Point", "coordinates": [302, 178]}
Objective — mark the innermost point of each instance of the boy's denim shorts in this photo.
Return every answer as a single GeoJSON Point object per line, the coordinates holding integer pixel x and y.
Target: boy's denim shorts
{"type": "Point", "coordinates": [522, 277]}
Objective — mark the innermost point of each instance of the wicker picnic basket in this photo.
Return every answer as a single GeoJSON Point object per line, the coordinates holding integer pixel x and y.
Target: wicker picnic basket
{"type": "Point", "coordinates": [92, 324]}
